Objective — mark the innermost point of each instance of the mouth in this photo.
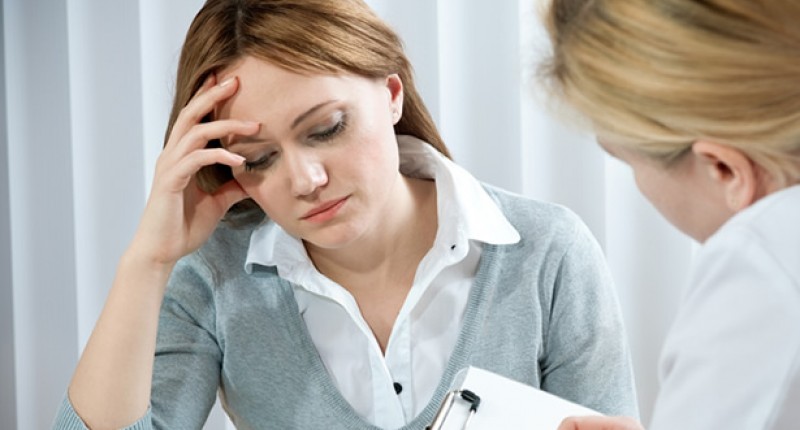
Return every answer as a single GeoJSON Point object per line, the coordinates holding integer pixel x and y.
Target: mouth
{"type": "Point", "coordinates": [325, 211]}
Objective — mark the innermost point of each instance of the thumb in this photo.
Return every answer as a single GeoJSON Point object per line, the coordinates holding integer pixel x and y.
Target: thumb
{"type": "Point", "coordinates": [229, 194]}
{"type": "Point", "coordinates": [568, 424]}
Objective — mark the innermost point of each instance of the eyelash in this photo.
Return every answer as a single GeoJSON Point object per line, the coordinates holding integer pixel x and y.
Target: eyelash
{"type": "Point", "coordinates": [331, 132]}
{"type": "Point", "coordinates": [261, 163]}
{"type": "Point", "coordinates": [266, 161]}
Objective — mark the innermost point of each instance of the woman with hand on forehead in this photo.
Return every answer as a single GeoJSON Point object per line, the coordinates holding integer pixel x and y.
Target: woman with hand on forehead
{"type": "Point", "coordinates": [702, 100]}
{"type": "Point", "coordinates": [357, 269]}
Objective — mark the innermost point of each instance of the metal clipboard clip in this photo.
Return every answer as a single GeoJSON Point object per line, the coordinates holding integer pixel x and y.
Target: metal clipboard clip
{"type": "Point", "coordinates": [447, 405]}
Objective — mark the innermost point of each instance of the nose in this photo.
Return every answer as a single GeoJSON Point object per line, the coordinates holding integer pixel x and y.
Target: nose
{"type": "Point", "coordinates": [306, 173]}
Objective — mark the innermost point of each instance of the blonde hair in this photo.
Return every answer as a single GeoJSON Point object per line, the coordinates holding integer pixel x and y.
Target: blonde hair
{"type": "Point", "coordinates": [657, 75]}
{"type": "Point", "coordinates": [306, 36]}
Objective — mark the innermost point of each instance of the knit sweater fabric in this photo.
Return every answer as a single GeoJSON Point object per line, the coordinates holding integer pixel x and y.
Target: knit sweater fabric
{"type": "Point", "coordinates": [542, 311]}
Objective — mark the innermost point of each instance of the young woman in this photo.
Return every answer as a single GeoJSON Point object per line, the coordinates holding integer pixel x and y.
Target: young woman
{"type": "Point", "coordinates": [379, 271]}
{"type": "Point", "coordinates": [702, 100]}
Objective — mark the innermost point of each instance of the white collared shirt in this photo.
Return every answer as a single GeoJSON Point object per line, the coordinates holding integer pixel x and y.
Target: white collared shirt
{"type": "Point", "coordinates": [732, 357]}
{"type": "Point", "coordinates": [428, 324]}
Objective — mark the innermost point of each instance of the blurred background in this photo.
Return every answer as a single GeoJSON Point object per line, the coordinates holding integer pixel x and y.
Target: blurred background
{"type": "Point", "coordinates": [86, 94]}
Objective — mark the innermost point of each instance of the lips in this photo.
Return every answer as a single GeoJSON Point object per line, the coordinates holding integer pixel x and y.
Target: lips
{"type": "Point", "coordinates": [324, 211]}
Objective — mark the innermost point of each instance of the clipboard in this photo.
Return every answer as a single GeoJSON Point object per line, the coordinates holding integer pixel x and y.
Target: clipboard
{"type": "Point", "coordinates": [483, 400]}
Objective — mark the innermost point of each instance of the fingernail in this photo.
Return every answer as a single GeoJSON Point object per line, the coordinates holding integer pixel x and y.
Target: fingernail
{"type": "Point", "coordinates": [226, 82]}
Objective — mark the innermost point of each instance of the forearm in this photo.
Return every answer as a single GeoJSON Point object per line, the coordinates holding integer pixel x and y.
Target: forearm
{"type": "Point", "coordinates": [111, 384]}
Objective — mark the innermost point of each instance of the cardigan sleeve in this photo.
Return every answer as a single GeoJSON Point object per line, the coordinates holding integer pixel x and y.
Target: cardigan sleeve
{"type": "Point", "coordinates": [587, 355]}
{"type": "Point", "coordinates": [188, 357]}
{"type": "Point", "coordinates": [68, 419]}
{"type": "Point", "coordinates": [186, 370]}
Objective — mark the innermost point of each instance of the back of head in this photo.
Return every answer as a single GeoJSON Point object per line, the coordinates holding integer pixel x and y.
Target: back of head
{"type": "Point", "coordinates": [304, 36]}
{"type": "Point", "coordinates": [656, 76]}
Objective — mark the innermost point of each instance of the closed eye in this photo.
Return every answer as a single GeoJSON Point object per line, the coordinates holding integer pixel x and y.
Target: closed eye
{"type": "Point", "coordinates": [331, 132]}
{"type": "Point", "coordinates": [261, 163]}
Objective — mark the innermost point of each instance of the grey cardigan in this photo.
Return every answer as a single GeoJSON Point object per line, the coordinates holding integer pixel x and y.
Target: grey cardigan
{"type": "Point", "coordinates": [542, 311]}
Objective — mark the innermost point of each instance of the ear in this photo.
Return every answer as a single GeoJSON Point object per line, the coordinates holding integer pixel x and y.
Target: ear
{"type": "Point", "coordinates": [729, 170]}
{"type": "Point", "coordinates": [395, 87]}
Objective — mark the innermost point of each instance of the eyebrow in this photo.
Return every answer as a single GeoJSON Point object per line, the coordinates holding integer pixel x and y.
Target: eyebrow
{"type": "Point", "coordinates": [302, 117]}
{"type": "Point", "coordinates": [310, 112]}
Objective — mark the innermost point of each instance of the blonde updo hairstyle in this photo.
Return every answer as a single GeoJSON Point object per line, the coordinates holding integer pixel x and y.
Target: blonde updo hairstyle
{"type": "Point", "coordinates": [304, 36]}
{"type": "Point", "coordinates": [655, 76]}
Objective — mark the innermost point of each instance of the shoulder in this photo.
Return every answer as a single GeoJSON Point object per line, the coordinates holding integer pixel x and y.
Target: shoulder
{"type": "Point", "coordinates": [228, 244]}
{"type": "Point", "coordinates": [220, 257]}
{"type": "Point", "coordinates": [763, 236]}
{"type": "Point", "coordinates": [743, 300]}
{"type": "Point", "coordinates": [534, 219]}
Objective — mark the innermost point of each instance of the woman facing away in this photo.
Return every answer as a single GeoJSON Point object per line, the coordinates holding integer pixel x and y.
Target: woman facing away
{"type": "Point", "coordinates": [357, 270]}
{"type": "Point", "coordinates": [702, 100]}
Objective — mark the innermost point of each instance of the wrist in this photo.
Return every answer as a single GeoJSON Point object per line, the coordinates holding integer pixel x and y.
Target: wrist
{"type": "Point", "coordinates": [141, 263]}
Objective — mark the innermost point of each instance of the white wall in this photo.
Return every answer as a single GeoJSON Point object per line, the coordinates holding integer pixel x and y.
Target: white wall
{"type": "Point", "coordinates": [41, 201]}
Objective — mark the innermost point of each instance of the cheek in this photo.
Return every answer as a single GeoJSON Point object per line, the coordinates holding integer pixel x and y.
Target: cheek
{"type": "Point", "coordinates": [648, 187]}
{"type": "Point", "coordinates": [383, 149]}
{"type": "Point", "coordinates": [248, 181]}
{"type": "Point", "coordinates": [667, 197]}
{"type": "Point", "coordinates": [368, 158]}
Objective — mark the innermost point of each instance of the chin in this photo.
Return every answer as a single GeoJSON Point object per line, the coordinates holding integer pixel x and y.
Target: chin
{"type": "Point", "coordinates": [332, 238]}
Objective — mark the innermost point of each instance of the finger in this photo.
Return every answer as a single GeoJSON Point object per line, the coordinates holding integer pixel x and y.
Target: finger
{"type": "Point", "coordinates": [199, 135]}
{"type": "Point", "coordinates": [208, 82]}
{"type": "Point", "coordinates": [568, 424]}
{"type": "Point", "coordinates": [200, 105]}
{"type": "Point", "coordinates": [229, 194]}
{"type": "Point", "coordinates": [599, 423]}
{"type": "Point", "coordinates": [181, 173]}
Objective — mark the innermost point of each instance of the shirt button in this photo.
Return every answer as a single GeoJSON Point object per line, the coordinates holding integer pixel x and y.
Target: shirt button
{"type": "Point", "coordinates": [452, 247]}
{"type": "Point", "coordinates": [398, 388]}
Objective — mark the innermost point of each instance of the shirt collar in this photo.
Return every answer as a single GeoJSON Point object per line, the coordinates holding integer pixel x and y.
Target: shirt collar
{"type": "Point", "coordinates": [465, 211]}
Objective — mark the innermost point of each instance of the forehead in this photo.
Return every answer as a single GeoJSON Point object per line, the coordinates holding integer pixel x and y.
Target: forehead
{"type": "Point", "coordinates": [263, 84]}
{"type": "Point", "coordinates": [256, 70]}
